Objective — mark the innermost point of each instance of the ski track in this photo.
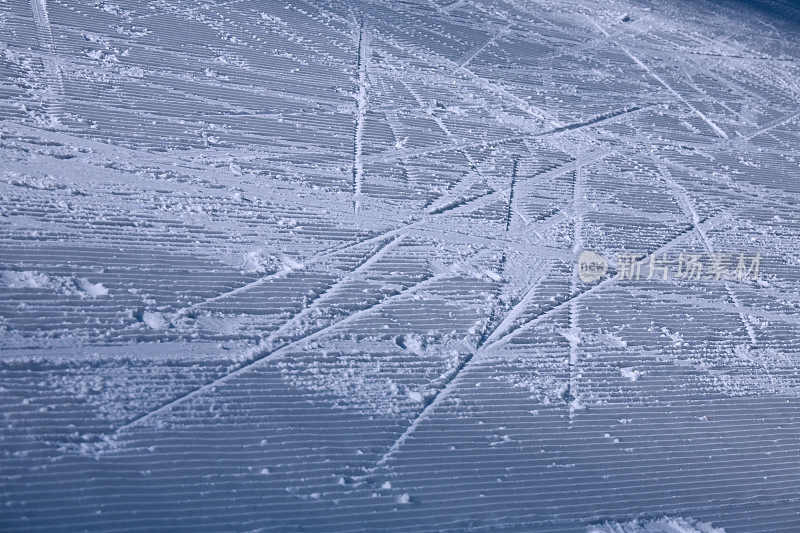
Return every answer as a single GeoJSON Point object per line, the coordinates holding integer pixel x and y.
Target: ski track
{"type": "Point", "coordinates": [52, 70]}
{"type": "Point", "coordinates": [260, 355]}
{"type": "Point", "coordinates": [658, 78]}
{"type": "Point", "coordinates": [361, 113]}
{"type": "Point", "coordinates": [477, 354]}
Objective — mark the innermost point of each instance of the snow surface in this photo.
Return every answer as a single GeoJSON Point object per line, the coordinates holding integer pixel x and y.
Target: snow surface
{"type": "Point", "coordinates": [662, 525]}
{"type": "Point", "coordinates": [311, 265]}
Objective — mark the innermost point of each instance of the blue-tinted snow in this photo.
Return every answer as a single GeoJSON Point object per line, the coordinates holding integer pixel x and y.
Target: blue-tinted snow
{"type": "Point", "coordinates": [311, 265]}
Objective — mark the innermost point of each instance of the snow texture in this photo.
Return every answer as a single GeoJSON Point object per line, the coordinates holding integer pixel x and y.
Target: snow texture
{"type": "Point", "coordinates": [663, 525]}
{"type": "Point", "coordinates": [314, 265]}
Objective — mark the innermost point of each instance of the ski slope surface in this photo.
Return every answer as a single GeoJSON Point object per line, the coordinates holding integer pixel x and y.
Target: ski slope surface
{"type": "Point", "coordinates": [395, 265]}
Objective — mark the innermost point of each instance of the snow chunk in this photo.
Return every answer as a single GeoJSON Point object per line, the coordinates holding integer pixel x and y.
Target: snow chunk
{"type": "Point", "coordinates": [255, 261]}
{"type": "Point", "coordinates": [576, 405]}
{"type": "Point", "coordinates": [92, 290]}
{"type": "Point", "coordinates": [415, 396]}
{"type": "Point", "coordinates": [630, 373]}
{"type": "Point", "coordinates": [154, 320]}
{"type": "Point", "coordinates": [413, 342]}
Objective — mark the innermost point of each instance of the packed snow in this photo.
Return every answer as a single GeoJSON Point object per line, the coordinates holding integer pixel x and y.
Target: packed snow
{"type": "Point", "coordinates": [400, 265]}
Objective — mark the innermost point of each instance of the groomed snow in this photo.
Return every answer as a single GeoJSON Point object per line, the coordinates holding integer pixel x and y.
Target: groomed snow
{"type": "Point", "coordinates": [316, 265]}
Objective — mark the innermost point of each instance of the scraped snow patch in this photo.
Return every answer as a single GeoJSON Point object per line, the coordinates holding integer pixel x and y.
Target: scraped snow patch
{"type": "Point", "coordinates": [38, 280]}
{"type": "Point", "coordinates": [662, 525]}
{"type": "Point", "coordinates": [26, 280]}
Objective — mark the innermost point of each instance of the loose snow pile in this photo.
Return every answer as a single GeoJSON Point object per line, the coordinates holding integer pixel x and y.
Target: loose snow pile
{"type": "Point", "coordinates": [662, 525]}
{"type": "Point", "coordinates": [66, 285]}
